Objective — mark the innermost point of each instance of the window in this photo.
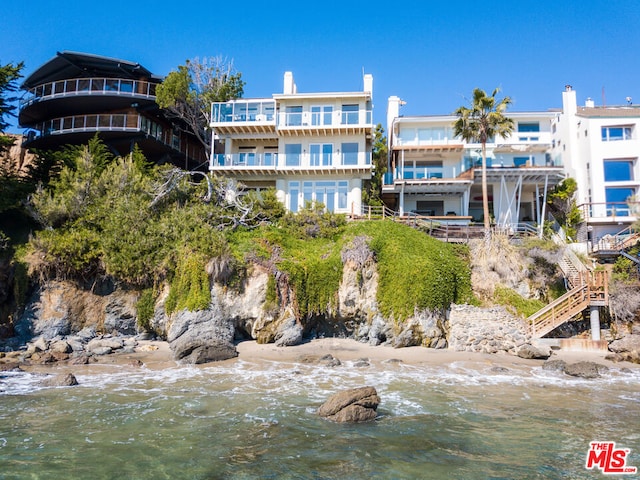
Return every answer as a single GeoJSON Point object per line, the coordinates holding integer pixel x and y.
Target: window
{"type": "Point", "coordinates": [529, 127]}
{"type": "Point", "coordinates": [617, 200]}
{"type": "Point", "coordinates": [612, 134]}
{"type": "Point", "coordinates": [618, 170]}
{"type": "Point", "coordinates": [434, 133]}
{"type": "Point", "coordinates": [294, 191]}
{"type": "Point", "coordinates": [350, 114]}
{"type": "Point", "coordinates": [349, 154]}
{"type": "Point", "coordinates": [307, 193]}
{"type": "Point", "coordinates": [292, 154]}
{"type": "Point", "coordinates": [407, 135]}
{"type": "Point", "coordinates": [320, 154]}
{"type": "Point", "coordinates": [294, 116]}
{"type": "Point", "coordinates": [520, 161]}
{"type": "Point", "coordinates": [321, 115]}
{"type": "Point", "coordinates": [343, 190]}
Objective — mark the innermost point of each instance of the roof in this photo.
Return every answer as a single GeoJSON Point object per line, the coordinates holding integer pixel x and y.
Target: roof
{"type": "Point", "coordinates": [68, 64]}
{"type": "Point", "coordinates": [604, 112]}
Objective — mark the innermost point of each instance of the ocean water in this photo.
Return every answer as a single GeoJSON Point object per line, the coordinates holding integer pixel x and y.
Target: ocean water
{"type": "Point", "coordinates": [245, 420]}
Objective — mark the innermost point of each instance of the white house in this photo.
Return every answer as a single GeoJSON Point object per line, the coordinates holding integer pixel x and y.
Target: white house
{"type": "Point", "coordinates": [433, 173]}
{"type": "Point", "coordinates": [309, 146]}
{"type": "Point", "coordinates": [599, 147]}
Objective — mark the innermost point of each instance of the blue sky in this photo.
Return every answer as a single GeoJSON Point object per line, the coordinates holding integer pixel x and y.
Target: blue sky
{"type": "Point", "coordinates": [431, 54]}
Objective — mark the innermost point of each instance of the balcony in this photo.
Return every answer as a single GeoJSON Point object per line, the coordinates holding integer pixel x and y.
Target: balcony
{"type": "Point", "coordinates": [90, 123]}
{"type": "Point", "coordinates": [262, 163]}
{"type": "Point", "coordinates": [339, 122]}
{"type": "Point", "coordinates": [249, 117]}
{"type": "Point", "coordinates": [89, 86]}
{"type": "Point", "coordinates": [83, 95]}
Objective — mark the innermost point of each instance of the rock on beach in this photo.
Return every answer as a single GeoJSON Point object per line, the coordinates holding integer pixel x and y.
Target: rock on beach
{"type": "Point", "coordinates": [351, 406]}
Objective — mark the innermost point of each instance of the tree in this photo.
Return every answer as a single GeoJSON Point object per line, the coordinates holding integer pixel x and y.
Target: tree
{"type": "Point", "coordinates": [373, 190]}
{"type": "Point", "coordinates": [9, 74]}
{"type": "Point", "coordinates": [188, 92]}
{"type": "Point", "coordinates": [482, 121]}
{"type": "Point", "coordinates": [562, 204]}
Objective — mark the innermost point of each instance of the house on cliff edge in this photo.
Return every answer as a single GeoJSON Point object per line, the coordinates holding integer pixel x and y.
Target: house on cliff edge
{"type": "Point", "coordinates": [311, 147]}
{"type": "Point", "coordinates": [74, 95]}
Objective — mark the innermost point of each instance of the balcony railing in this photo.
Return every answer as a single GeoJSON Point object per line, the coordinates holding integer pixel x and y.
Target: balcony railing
{"type": "Point", "coordinates": [314, 119]}
{"type": "Point", "coordinates": [609, 209]}
{"type": "Point", "coordinates": [275, 160]}
{"type": "Point", "coordinates": [90, 86]}
{"type": "Point", "coordinates": [243, 111]}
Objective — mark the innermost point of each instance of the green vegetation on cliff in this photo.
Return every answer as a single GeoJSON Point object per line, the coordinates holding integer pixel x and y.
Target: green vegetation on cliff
{"type": "Point", "coordinates": [143, 226]}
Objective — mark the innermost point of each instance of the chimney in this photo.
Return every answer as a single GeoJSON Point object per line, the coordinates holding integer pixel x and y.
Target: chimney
{"type": "Point", "coordinates": [569, 102]}
{"type": "Point", "coordinates": [289, 85]}
{"type": "Point", "coordinates": [589, 103]}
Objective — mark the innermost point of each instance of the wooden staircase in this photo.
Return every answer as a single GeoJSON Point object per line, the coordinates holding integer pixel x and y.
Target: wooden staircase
{"type": "Point", "coordinates": [590, 289]}
{"type": "Point", "coordinates": [612, 245]}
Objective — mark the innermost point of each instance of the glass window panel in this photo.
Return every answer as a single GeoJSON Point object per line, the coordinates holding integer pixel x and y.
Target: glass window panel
{"type": "Point", "coordinates": [612, 134]}
{"type": "Point", "coordinates": [294, 116]}
{"type": "Point", "coordinates": [407, 135]}
{"type": "Point", "coordinates": [350, 114]}
{"type": "Point", "coordinates": [617, 200]}
{"type": "Point", "coordinates": [529, 127]}
{"type": "Point", "coordinates": [327, 153]}
{"type": "Point", "coordinates": [294, 190]}
{"type": "Point", "coordinates": [618, 171]}
{"type": "Point", "coordinates": [252, 110]}
{"type": "Point", "coordinates": [314, 153]}
{"type": "Point", "coordinates": [126, 86]}
{"type": "Point", "coordinates": [292, 152]}
{"type": "Point", "coordinates": [343, 190]}
{"type": "Point", "coordinates": [349, 154]}
{"type": "Point", "coordinates": [307, 193]}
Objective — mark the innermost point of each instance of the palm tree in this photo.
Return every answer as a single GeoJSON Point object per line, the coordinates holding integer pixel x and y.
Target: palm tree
{"type": "Point", "coordinates": [482, 121]}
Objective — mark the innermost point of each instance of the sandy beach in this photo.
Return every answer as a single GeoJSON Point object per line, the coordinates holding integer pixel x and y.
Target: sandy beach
{"type": "Point", "coordinates": [157, 355]}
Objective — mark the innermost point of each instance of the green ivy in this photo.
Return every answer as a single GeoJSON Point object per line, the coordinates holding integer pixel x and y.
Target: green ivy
{"type": "Point", "coordinates": [145, 308]}
{"type": "Point", "coordinates": [190, 287]}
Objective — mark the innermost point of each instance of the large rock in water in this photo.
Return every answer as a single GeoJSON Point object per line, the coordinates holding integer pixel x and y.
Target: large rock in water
{"type": "Point", "coordinates": [355, 405]}
{"type": "Point", "coordinates": [201, 337]}
{"type": "Point", "coordinates": [68, 380]}
{"type": "Point", "coordinates": [585, 369]}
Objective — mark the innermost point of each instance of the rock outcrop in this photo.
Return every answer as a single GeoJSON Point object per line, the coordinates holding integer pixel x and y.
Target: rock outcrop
{"type": "Point", "coordinates": [355, 405]}
{"type": "Point", "coordinates": [201, 336]}
{"type": "Point", "coordinates": [626, 348]}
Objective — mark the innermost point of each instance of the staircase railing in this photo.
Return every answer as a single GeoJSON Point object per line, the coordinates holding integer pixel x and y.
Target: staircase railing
{"type": "Point", "coordinates": [620, 241]}
{"type": "Point", "coordinates": [592, 289]}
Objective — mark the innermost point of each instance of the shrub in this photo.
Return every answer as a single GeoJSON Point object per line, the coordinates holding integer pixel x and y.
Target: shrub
{"type": "Point", "coordinates": [515, 302]}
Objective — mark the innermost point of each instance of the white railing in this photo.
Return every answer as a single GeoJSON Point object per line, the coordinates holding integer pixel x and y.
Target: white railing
{"type": "Point", "coordinates": [84, 123]}
{"type": "Point", "coordinates": [314, 119]}
{"type": "Point", "coordinates": [304, 160]}
{"type": "Point", "coordinates": [89, 86]}
{"type": "Point", "coordinates": [243, 111]}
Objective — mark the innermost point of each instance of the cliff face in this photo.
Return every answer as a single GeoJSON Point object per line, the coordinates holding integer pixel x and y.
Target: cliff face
{"type": "Point", "coordinates": [59, 309]}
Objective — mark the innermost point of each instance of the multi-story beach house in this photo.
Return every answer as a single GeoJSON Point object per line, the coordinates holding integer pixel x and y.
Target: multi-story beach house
{"type": "Point", "coordinates": [433, 173]}
{"type": "Point", "coordinates": [311, 147]}
{"type": "Point", "coordinates": [73, 96]}
{"type": "Point", "coordinates": [599, 147]}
